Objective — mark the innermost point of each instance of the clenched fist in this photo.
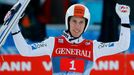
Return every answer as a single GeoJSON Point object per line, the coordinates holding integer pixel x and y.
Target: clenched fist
{"type": "Point", "coordinates": [123, 12]}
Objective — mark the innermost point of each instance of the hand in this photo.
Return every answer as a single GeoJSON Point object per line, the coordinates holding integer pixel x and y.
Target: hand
{"type": "Point", "coordinates": [123, 12]}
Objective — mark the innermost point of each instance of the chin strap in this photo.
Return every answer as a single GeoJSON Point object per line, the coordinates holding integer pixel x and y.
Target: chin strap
{"type": "Point", "coordinates": [72, 39]}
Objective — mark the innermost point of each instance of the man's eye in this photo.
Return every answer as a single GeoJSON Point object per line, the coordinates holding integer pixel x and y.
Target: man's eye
{"type": "Point", "coordinates": [74, 21]}
{"type": "Point", "coordinates": [81, 22]}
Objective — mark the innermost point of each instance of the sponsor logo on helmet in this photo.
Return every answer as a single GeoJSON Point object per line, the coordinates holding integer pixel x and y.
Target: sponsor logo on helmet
{"type": "Point", "coordinates": [79, 11]}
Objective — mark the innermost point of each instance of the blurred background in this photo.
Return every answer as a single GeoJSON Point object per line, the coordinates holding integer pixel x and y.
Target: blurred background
{"type": "Point", "coordinates": [45, 18]}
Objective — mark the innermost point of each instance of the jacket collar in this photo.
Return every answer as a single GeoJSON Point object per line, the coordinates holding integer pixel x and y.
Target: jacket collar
{"type": "Point", "coordinates": [71, 39]}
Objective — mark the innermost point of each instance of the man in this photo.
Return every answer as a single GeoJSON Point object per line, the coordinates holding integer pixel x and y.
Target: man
{"type": "Point", "coordinates": [70, 53]}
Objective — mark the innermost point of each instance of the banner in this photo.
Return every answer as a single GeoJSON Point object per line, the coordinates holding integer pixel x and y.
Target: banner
{"type": "Point", "coordinates": [119, 64]}
{"type": "Point", "coordinates": [18, 65]}
{"type": "Point", "coordinates": [129, 59]}
{"type": "Point", "coordinates": [113, 65]}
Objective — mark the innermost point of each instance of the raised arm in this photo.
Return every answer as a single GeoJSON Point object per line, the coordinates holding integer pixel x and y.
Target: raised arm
{"type": "Point", "coordinates": [104, 49]}
{"type": "Point", "coordinates": [36, 49]}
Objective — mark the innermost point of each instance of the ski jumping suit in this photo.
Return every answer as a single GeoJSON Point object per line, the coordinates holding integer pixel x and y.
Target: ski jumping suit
{"type": "Point", "coordinates": [75, 57]}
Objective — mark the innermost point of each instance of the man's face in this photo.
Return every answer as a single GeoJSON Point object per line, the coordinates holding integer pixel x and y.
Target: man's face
{"type": "Point", "coordinates": [77, 25]}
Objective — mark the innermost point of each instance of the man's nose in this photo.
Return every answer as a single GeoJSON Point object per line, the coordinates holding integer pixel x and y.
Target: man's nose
{"type": "Point", "coordinates": [77, 24]}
